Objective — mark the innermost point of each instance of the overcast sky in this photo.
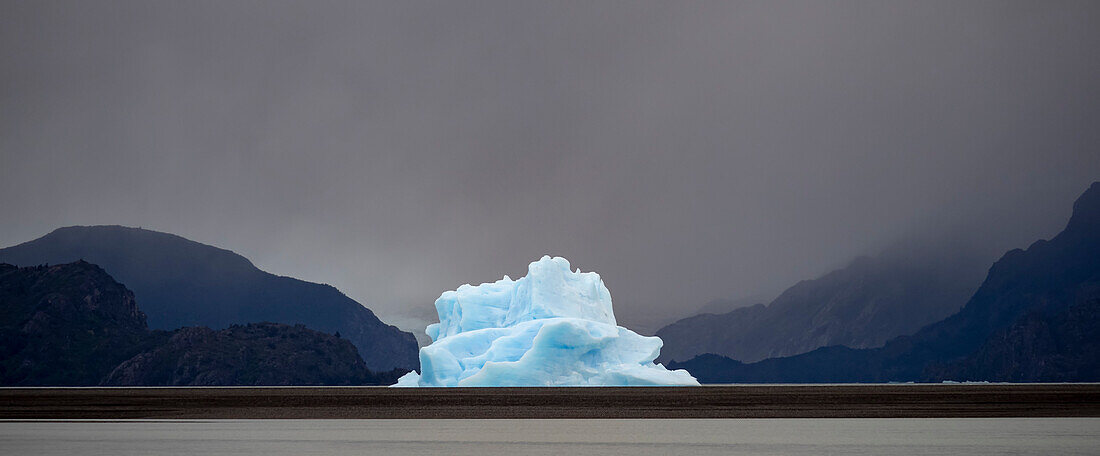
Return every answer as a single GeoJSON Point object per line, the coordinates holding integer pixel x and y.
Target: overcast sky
{"type": "Point", "coordinates": [685, 151]}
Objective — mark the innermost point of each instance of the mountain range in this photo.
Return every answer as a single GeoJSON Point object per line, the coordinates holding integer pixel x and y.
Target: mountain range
{"type": "Point", "coordinates": [862, 305]}
{"type": "Point", "coordinates": [181, 283]}
{"type": "Point", "coordinates": [1032, 319]}
{"type": "Point", "coordinates": [219, 320]}
{"type": "Point", "coordinates": [74, 325]}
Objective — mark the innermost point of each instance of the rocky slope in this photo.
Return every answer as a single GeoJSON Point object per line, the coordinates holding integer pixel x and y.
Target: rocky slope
{"type": "Point", "coordinates": [1064, 347]}
{"type": "Point", "coordinates": [184, 283]}
{"type": "Point", "coordinates": [65, 325]}
{"type": "Point", "coordinates": [254, 354]}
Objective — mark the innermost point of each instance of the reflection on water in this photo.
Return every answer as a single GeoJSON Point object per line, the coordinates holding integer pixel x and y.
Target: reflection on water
{"type": "Point", "coordinates": [1039, 436]}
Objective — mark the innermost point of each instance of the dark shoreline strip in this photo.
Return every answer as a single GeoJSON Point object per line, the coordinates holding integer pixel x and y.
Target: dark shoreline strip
{"type": "Point", "coordinates": [740, 401]}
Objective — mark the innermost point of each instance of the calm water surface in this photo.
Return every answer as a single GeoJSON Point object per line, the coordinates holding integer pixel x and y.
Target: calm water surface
{"type": "Point", "coordinates": [1039, 436]}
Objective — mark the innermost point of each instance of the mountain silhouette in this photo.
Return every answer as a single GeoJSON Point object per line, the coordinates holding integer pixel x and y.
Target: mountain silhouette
{"type": "Point", "coordinates": [1026, 294]}
{"type": "Point", "coordinates": [74, 325]}
{"type": "Point", "coordinates": [184, 283]}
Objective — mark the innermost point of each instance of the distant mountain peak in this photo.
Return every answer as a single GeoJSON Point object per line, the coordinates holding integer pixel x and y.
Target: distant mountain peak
{"type": "Point", "coordinates": [129, 234]}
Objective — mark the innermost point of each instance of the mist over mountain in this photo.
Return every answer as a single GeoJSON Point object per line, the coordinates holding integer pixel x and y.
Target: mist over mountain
{"type": "Point", "coordinates": [721, 306]}
{"type": "Point", "coordinates": [862, 305]}
{"type": "Point", "coordinates": [398, 149]}
{"type": "Point", "coordinates": [1031, 320]}
{"type": "Point", "coordinates": [184, 283]}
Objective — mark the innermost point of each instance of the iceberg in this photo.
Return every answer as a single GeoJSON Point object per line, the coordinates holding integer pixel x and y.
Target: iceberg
{"type": "Point", "coordinates": [553, 327]}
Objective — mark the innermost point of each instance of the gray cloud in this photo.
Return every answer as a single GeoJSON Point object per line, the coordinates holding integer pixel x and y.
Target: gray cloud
{"type": "Point", "coordinates": [685, 151]}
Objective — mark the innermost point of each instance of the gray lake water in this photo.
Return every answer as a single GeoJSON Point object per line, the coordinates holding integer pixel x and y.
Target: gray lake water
{"type": "Point", "coordinates": [1039, 436]}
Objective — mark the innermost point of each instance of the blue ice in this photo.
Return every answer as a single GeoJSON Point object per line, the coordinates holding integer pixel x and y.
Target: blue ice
{"type": "Point", "coordinates": [553, 327]}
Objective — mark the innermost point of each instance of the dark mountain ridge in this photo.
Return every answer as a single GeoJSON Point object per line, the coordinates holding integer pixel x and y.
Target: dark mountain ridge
{"type": "Point", "coordinates": [65, 324]}
{"type": "Point", "coordinates": [185, 283]}
{"type": "Point", "coordinates": [1061, 347]}
{"type": "Point", "coordinates": [1043, 283]}
{"type": "Point", "coordinates": [254, 354]}
{"type": "Point", "coordinates": [74, 325]}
